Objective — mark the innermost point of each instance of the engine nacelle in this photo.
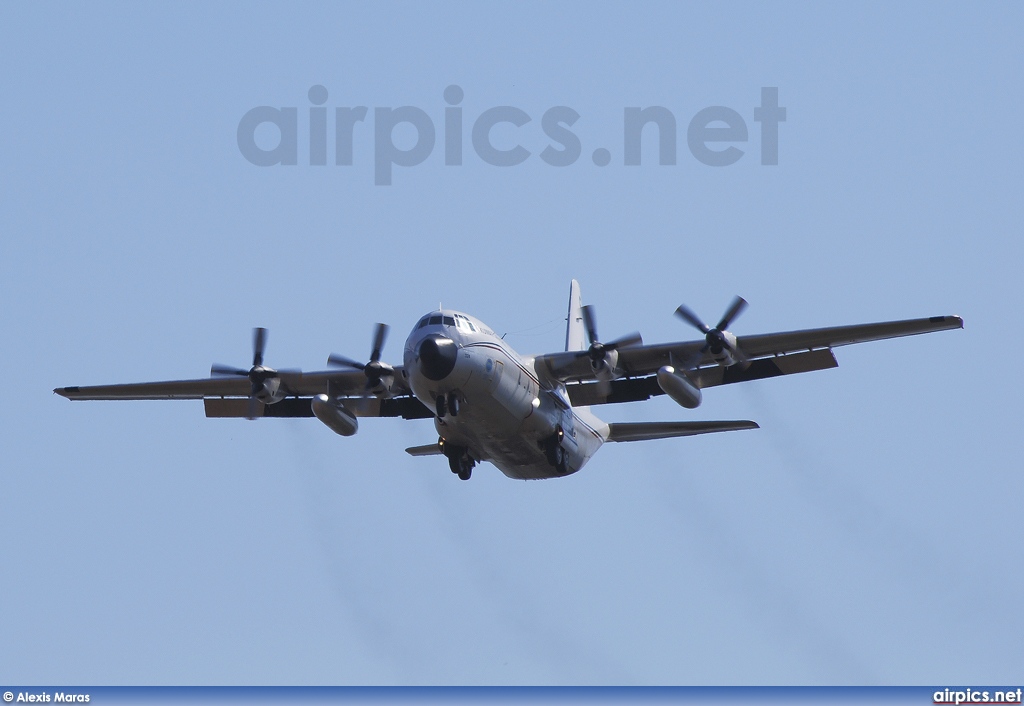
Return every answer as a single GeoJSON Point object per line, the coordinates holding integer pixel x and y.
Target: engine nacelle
{"type": "Point", "coordinates": [679, 387]}
{"type": "Point", "coordinates": [721, 350]}
{"type": "Point", "coordinates": [606, 369]}
{"type": "Point", "coordinates": [269, 391]}
{"type": "Point", "coordinates": [383, 386]}
{"type": "Point", "coordinates": [335, 416]}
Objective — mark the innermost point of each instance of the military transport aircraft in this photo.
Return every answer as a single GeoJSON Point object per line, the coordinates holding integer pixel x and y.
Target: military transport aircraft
{"type": "Point", "coordinates": [527, 415]}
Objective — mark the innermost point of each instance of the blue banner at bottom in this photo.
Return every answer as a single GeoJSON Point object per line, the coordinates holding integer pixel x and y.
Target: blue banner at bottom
{"type": "Point", "coordinates": [720, 696]}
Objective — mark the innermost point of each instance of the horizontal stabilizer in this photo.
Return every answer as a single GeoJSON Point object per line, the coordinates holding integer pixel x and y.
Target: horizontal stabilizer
{"type": "Point", "coordinates": [642, 431]}
{"type": "Point", "coordinates": [425, 450]}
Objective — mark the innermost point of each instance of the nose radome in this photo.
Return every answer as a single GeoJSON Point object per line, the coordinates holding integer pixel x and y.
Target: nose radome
{"type": "Point", "coordinates": [437, 356]}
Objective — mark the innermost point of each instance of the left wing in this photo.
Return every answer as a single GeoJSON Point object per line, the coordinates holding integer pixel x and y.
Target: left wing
{"type": "Point", "coordinates": [639, 361]}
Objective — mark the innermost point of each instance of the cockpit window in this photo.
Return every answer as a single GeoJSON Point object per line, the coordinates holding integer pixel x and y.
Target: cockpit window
{"type": "Point", "coordinates": [434, 320]}
{"type": "Point", "coordinates": [423, 322]}
{"type": "Point", "coordinates": [464, 324]}
{"type": "Point", "coordinates": [449, 321]}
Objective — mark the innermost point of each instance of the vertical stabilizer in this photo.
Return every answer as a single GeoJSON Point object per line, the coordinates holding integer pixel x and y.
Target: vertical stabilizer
{"type": "Point", "coordinates": [575, 336]}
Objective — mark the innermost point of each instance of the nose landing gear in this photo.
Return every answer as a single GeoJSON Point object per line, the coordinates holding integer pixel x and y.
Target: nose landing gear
{"type": "Point", "coordinates": [447, 405]}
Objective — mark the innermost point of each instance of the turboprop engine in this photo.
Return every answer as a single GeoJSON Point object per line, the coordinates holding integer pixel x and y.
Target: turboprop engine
{"type": "Point", "coordinates": [379, 376]}
{"type": "Point", "coordinates": [604, 357]}
{"type": "Point", "coordinates": [719, 342]}
{"type": "Point", "coordinates": [679, 387]}
{"type": "Point", "coordinates": [334, 415]}
{"type": "Point", "coordinates": [265, 383]}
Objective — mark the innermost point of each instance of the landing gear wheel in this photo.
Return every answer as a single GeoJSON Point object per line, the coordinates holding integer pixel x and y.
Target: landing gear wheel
{"type": "Point", "coordinates": [553, 450]}
{"type": "Point", "coordinates": [559, 463]}
{"type": "Point", "coordinates": [440, 406]}
{"type": "Point", "coordinates": [549, 451]}
{"type": "Point", "coordinates": [459, 461]}
{"type": "Point", "coordinates": [453, 404]}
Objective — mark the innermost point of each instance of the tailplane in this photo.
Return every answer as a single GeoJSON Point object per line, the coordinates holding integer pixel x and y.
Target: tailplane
{"type": "Point", "coordinates": [643, 431]}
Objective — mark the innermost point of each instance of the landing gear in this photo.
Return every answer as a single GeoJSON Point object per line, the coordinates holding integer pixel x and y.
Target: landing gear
{"type": "Point", "coordinates": [560, 461]}
{"type": "Point", "coordinates": [447, 404]}
{"type": "Point", "coordinates": [459, 461]}
{"type": "Point", "coordinates": [555, 452]}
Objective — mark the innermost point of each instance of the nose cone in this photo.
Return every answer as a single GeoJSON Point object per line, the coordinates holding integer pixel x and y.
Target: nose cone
{"type": "Point", "coordinates": [437, 356]}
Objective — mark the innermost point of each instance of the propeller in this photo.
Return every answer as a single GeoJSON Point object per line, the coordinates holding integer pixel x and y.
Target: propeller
{"type": "Point", "coordinates": [598, 351]}
{"type": "Point", "coordinates": [258, 374]}
{"type": "Point", "coordinates": [717, 339]}
{"type": "Point", "coordinates": [374, 370]}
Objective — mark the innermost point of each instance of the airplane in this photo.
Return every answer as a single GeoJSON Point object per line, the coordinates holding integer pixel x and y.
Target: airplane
{"type": "Point", "coordinates": [527, 415]}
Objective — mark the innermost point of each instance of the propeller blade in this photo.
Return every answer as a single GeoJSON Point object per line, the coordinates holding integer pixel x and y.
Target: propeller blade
{"type": "Point", "coordinates": [380, 335]}
{"type": "Point", "coordinates": [217, 369]}
{"type": "Point", "coordinates": [340, 360]}
{"type": "Point", "coordinates": [630, 339]}
{"type": "Point", "coordinates": [590, 324]}
{"type": "Point", "coordinates": [259, 342]}
{"type": "Point", "coordinates": [253, 403]}
{"type": "Point", "coordinates": [735, 309]}
{"type": "Point", "coordinates": [689, 317]}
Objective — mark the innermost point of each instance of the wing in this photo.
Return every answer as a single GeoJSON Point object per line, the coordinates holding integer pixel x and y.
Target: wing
{"type": "Point", "coordinates": [768, 355]}
{"type": "Point", "coordinates": [167, 390]}
{"type": "Point", "coordinates": [338, 383]}
{"type": "Point", "coordinates": [229, 396]}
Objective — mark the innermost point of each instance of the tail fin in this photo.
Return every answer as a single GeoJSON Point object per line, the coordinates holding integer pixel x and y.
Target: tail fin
{"type": "Point", "coordinates": [575, 337]}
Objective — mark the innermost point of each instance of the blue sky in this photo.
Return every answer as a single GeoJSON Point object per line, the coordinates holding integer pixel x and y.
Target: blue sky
{"type": "Point", "coordinates": [869, 532]}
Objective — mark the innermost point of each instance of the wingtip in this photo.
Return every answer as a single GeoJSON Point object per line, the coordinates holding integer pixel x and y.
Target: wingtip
{"type": "Point", "coordinates": [957, 321]}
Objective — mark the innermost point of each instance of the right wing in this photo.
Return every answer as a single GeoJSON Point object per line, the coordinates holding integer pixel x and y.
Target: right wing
{"type": "Point", "coordinates": [347, 382]}
{"type": "Point", "coordinates": [229, 396]}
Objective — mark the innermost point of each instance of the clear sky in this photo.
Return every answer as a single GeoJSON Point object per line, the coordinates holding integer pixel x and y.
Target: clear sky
{"type": "Point", "coordinates": [869, 533]}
